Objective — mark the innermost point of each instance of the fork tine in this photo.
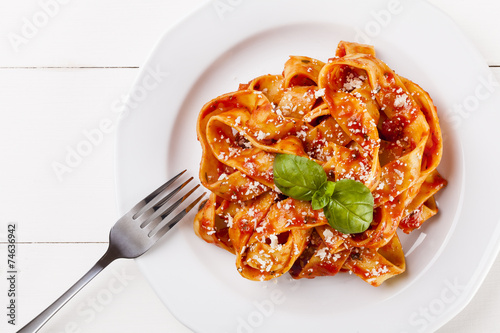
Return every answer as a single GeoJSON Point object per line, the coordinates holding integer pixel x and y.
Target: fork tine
{"type": "Point", "coordinates": [164, 186]}
{"type": "Point", "coordinates": [159, 204]}
{"type": "Point", "coordinates": [163, 229]}
{"type": "Point", "coordinates": [155, 197]}
{"type": "Point", "coordinates": [164, 211]}
{"type": "Point", "coordinates": [125, 241]}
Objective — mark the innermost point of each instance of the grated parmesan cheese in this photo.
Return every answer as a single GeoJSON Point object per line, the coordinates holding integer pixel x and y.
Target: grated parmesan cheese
{"type": "Point", "coordinates": [319, 93]}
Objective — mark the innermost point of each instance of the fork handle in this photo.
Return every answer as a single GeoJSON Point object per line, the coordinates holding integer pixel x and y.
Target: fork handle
{"type": "Point", "coordinates": [42, 318]}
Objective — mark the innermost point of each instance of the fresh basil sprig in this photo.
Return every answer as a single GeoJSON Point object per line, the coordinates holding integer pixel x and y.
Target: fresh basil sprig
{"type": "Point", "coordinates": [321, 198]}
{"type": "Point", "coordinates": [350, 209]}
{"type": "Point", "coordinates": [347, 204]}
{"type": "Point", "coordinates": [298, 177]}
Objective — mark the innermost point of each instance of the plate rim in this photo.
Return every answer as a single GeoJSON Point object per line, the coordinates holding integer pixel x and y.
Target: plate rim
{"type": "Point", "coordinates": [205, 6]}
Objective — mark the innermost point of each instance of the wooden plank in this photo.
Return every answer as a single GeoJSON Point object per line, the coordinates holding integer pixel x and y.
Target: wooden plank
{"type": "Point", "coordinates": [116, 33]}
{"type": "Point", "coordinates": [57, 170]}
{"type": "Point", "coordinates": [51, 129]}
{"type": "Point", "coordinates": [71, 33]}
{"type": "Point", "coordinates": [119, 299]}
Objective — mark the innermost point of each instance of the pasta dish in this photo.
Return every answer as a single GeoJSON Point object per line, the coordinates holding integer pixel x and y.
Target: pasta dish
{"type": "Point", "coordinates": [356, 119]}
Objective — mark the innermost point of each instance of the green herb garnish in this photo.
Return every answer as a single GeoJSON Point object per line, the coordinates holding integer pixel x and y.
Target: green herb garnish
{"type": "Point", "coordinates": [298, 177]}
{"type": "Point", "coordinates": [347, 204]}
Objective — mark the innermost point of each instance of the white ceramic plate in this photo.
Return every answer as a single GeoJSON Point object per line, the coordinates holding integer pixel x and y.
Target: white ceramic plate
{"type": "Point", "coordinates": [227, 42]}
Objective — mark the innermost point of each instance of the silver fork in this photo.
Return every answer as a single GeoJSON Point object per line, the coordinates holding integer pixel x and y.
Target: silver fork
{"type": "Point", "coordinates": [134, 234]}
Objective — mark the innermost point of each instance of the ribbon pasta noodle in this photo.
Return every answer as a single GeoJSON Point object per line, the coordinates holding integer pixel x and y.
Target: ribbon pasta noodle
{"type": "Point", "coordinates": [356, 118]}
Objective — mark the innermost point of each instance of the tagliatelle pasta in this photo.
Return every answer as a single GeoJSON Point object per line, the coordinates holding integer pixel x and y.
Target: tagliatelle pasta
{"type": "Point", "coordinates": [356, 118]}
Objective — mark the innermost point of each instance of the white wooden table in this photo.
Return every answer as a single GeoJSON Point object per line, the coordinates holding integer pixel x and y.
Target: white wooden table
{"type": "Point", "coordinates": [65, 65]}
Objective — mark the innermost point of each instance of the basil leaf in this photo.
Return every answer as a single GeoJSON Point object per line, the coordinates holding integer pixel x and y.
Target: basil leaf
{"type": "Point", "coordinates": [347, 204]}
{"type": "Point", "coordinates": [322, 197]}
{"type": "Point", "coordinates": [298, 177]}
{"type": "Point", "coordinates": [350, 209]}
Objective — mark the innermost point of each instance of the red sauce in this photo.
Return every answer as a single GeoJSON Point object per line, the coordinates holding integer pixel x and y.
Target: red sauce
{"type": "Point", "coordinates": [412, 221]}
{"type": "Point", "coordinates": [392, 129]}
{"type": "Point", "coordinates": [301, 80]}
{"type": "Point", "coordinates": [430, 151]}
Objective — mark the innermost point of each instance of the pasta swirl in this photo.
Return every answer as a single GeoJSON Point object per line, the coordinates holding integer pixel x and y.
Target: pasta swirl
{"type": "Point", "coordinates": [356, 118]}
